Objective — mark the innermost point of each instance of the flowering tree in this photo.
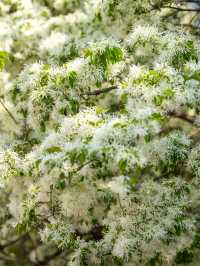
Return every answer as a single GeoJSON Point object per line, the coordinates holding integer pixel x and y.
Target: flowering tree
{"type": "Point", "coordinates": [100, 118]}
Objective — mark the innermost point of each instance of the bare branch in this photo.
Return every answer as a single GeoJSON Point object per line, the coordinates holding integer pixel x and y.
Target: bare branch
{"type": "Point", "coordinates": [182, 115]}
{"type": "Point", "coordinates": [96, 233]}
{"type": "Point", "coordinates": [195, 136]}
{"type": "Point", "coordinates": [9, 113]}
{"type": "Point", "coordinates": [48, 259]}
{"type": "Point", "coordinates": [12, 242]}
{"type": "Point", "coordinates": [6, 258]}
{"type": "Point", "coordinates": [182, 9]}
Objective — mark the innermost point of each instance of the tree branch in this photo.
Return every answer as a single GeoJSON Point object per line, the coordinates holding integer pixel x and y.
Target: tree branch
{"type": "Point", "coordinates": [182, 9]}
{"type": "Point", "coordinates": [6, 258]}
{"type": "Point", "coordinates": [182, 115]}
{"type": "Point", "coordinates": [12, 242]}
{"type": "Point", "coordinates": [49, 258]}
{"type": "Point", "coordinates": [96, 233]}
{"type": "Point", "coordinates": [97, 92]}
{"type": "Point", "coordinates": [9, 113]}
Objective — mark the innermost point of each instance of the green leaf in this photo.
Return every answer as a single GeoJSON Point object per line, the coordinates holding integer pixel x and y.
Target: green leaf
{"type": "Point", "coordinates": [195, 76]}
{"type": "Point", "coordinates": [3, 58]}
{"type": "Point", "coordinates": [60, 184]}
{"type": "Point", "coordinates": [99, 110]}
{"type": "Point", "coordinates": [166, 94]}
{"type": "Point", "coordinates": [185, 52]}
{"type": "Point", "coordinates": [151, 78]}
{"type": "Point", "coordinates": [120, 125]}
{"type": "Point", "coordinates": [184, 256]}
{"type": "Point", "coordinates": [104, 57]}
{"type": "Point", "coordinates": [157, 100]}
{"type": "Point", "coordinates": [157, 117]}
{"type": "Point", "coordinates": [72, 76]}
{"type": "Point", "coordinates": [53, 149]}
{"type": "Point", "coordinates": [78, 156]}
{"type": "Point", "coordinates": [74, 106]}
{"type": "Point", "coordinates": [122, 165]}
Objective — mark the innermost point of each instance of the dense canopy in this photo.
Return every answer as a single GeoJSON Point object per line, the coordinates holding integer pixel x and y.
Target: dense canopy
{"type": "Point", "coordinates": [99, 133]}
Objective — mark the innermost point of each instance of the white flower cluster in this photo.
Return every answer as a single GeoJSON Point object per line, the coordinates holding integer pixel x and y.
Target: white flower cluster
{"type": "Point", "coordinates": [99, 147]}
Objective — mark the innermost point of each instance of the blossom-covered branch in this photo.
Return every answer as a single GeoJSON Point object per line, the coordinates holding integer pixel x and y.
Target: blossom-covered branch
{"type": "Point", "coordinates": [97, 92]}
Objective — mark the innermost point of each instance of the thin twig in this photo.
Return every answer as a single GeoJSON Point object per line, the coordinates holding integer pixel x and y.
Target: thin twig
{"type": "Point", "coordinates": [75, 171]}
{"type": "Point", "coordinates": [97, 92]}
{"type": "Point", "coordinates": [188, 25]}
{"type": "Point", "coordinates": [9, 113]}
{"type": "Point", "coordinates": [120, 204]}
{"type": "Point", "coordinates": [83, 165]}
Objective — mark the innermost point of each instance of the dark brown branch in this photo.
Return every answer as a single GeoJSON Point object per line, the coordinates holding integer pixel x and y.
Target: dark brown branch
{"type": "Point", "coordinates": [188, 25]}
{"type": "Point", "coordinates": [195, 136]}
{"type": "Point", "coordinates": [12, 242]}
{"type": "Point", "coordinates": [97, 92]}
{"type": "Point", "coordinates": [96, 233]}
{"type": "Point", "coordinates": [6, 258]}
{"type": "Point", "coordinates": [182, 9]}
{"type": "Point", "coordinates": [9, 113]}
{"type": "Point", "coordinates": [182, 115]}
{"type": "Point", "coordinates": [83, 165]}
{"type": "Point", "coordinates": [49, 258]}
